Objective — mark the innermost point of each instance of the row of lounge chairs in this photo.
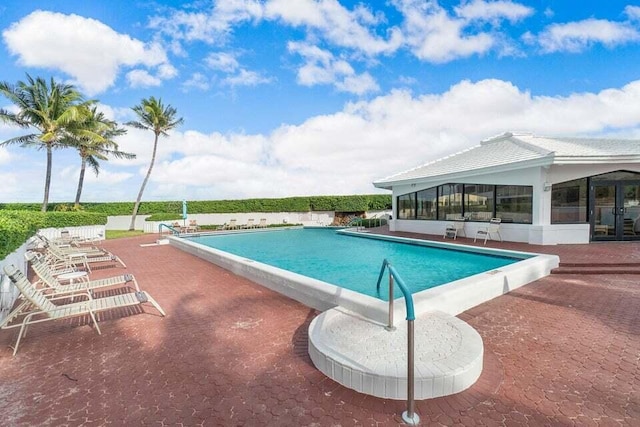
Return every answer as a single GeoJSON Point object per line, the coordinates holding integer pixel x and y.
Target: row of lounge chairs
{"type": "Point", "coordinates": [193, 226]}
{"type": "Point", "coordinates": [251, 223]}
{"type": "Point", "coordinates": [61, 286]}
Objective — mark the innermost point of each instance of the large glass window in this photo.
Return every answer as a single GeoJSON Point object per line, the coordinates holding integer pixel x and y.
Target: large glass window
{"type": "Point", "coordinates": [478, 202]}
{"type": "Point", "coordinates": [407, 206]}
{"type": "Point", "coordinates": [514, 203]}
{"type": "Point", "coordinates": [450, 201]}
{"type": "Point", "coordinates": [569, 202]}
{"type": "Point", "coordinates": [427, 203]}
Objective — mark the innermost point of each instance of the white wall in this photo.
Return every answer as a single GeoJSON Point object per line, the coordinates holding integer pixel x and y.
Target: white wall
{"type": "Point", "coordinates": [8, 292]}
{"type": "Point", "coordinates": [314, 218]}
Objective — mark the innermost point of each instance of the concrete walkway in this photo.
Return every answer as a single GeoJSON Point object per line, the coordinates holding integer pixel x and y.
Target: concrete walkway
{"type": "Point", "coordinates": [561, 351]}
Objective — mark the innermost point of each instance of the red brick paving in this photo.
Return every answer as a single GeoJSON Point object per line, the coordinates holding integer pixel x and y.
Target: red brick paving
{"type": "Point", "coordinates": [564, 350]}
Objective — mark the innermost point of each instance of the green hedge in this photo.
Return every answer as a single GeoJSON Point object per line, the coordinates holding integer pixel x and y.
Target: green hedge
{"type": "Point", "coordinates": [164, 217]}
{"type": "Point", "coordinates": [16, 226]}
{"type": "Point", "coordinates": [356, 203]}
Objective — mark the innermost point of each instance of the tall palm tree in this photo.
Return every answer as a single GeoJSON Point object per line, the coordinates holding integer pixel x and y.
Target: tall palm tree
{"type": "Point", "coordinates": [153, 116]}
{"type": "Point", "coordinates": [94, 140]}
{"type": "Point", "coordinates": [49, 109]}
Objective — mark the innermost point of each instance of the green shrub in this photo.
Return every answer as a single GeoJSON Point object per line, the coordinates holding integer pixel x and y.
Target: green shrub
{"type": "Point", "coordinates": [164, 217]}
{"type": "Point", "coordinates": [17, 226]}
{"type": "Point", "coordinates": [355, 203]}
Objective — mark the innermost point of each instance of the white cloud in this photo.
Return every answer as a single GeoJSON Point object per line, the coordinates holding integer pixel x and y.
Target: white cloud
{"type": "Point", "coordinates": [5, 156]}
{"type": "Point", "coordinates": [325, 155]}
{"type": "Point", "coordinates": [337, 24]}
{"type": "Point", "coordinates": [235, 75]}
{"type": "Point", "coordinates": [209, 27]}
{"type": "Point", "coordinates": [493, 11]}
{"type": "Point", "coordinates": [321, 67]}
{"type": "Point", "coordinates": [197, 81]}
{"type": "Point", "coordinates": [86, 49]}
{"type": "Point", "coordinates": [633, 12]}
{"type": "Point", "coordinates": [339, 153]}
{"type": "Point", "coordinates": [142, 78]}
{"type": "Point", "coordinates": [72, 174]}
{"type": "Point", "coordinates": [167, 71]}
{"type": "Point", "coordinates": [246, 78]}
{"type": "Point", "coordinates": [578, 36]}
{"type": "Point", "coordinates": [434, 36]}
{"type": "Point", "coordinates": [222, 61]}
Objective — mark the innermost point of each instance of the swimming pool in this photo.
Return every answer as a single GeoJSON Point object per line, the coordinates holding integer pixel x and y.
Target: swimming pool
{"type": "Point", "coordinates": [453, 297]}
{"type": "Point", "coordinates": [354, 262]}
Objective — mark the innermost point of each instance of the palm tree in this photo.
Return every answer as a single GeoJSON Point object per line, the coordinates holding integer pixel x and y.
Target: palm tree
{"type": "Point", "coordinates": [94, 141]}
{"type": "Point", "coordinates": [153, 116]}
{"type": "Point", "coordinates": [50, 109]}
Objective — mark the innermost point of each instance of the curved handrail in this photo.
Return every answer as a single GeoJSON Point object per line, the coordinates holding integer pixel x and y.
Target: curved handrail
{"type": "Point", "coordinates": [175, 232]}
{"type": "Point", "coordinates": [409, 416]}
{"type": "Point", "coordinates": [408, 298]}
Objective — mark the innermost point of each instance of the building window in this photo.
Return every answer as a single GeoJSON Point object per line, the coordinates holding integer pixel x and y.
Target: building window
{"type": "Point", "coordinates": [569, 202]}
{"type": "Point", "coordinates": [478, 202]}
{"type": "Point", "coordinates": [514, 203]}
{"type": "Point", "coordinates": [450, 201]}
{"type": "Point", "coordinates": [407, 206]}
{"type": "Point", "coordinates": [427, 205]}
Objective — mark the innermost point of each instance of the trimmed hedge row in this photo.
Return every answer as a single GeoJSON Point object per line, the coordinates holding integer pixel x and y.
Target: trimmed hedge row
{"type": "Point", "coordinates": [356, 203]}
{"type": "Point", "coordinates": [16, 226]}
{"type": "Point", "coordinates": [164, 217]}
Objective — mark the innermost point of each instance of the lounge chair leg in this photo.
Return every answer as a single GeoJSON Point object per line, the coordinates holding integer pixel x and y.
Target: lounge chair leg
{"type": "Point", "coordinates": [95, 322]}
{"type": "Point", "coordinates": [21, 333]}
{"type": "Point", "coordinates": [120, 261]}
{"type": "Point", "coordinates": [155, 304]}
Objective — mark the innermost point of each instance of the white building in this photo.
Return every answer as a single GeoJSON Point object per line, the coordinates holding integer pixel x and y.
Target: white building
{"type": "Point", "coordinates": [545, 190]}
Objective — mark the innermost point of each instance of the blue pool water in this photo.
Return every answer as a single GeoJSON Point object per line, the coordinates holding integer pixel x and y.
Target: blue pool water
{"type": "Point", "coordinates": [354, 262]}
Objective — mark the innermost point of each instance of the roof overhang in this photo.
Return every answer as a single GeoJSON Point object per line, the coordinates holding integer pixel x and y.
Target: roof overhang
{"type": "Point", "coordinates": [540, 162]}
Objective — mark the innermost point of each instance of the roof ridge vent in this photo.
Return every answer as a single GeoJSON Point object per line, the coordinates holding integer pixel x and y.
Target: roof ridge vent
{"type": "Point", "coordinates": [495, 138]}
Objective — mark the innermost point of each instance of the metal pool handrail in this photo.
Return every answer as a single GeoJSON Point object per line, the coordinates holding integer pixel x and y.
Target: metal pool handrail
{"type": "Point", "coordinates": [409, 416]}
{"type": "Point", "coordinates": [176, 232]}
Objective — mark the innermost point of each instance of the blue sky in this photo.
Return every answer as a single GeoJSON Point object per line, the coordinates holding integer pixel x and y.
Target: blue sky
{"type": "Point", "coordinates": [284, 98]}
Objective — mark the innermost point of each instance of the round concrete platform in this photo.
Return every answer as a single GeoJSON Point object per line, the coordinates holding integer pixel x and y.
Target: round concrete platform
{"type": "Point", "coordinates": [362, 355]}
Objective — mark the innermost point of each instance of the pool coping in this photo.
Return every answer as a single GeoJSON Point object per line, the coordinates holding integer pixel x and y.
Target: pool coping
{"type": "Point", "coordinates": [452, 298]}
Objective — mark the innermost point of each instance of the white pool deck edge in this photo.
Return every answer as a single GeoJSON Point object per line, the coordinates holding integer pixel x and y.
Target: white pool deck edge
{"type": "Point", "coordinates": [348, 341]}
{"type": "Point", "coordinates": [452, 298]}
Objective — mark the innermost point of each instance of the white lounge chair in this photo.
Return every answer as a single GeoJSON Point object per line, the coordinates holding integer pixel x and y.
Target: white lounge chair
{"type": "Point", "coordinates": [263, 223]}
{"type": "Point", "coordinates": [44, 308]}
{"type": "Point", "coordinates": [58, 259]}
{"type": "Point", "coordinates": [454, 228]}
{"type": "Point", "coordinates": [492, 228]}
{"type": "Point", "coordinates": [47, 278]}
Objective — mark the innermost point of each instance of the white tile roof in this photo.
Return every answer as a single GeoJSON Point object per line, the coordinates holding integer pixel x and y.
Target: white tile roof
{"type": "Point", "coordinates": [520, 148]}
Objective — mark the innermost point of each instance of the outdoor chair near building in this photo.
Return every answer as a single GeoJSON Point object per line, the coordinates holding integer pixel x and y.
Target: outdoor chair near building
{"type": "Point", "coordinates": [44, 309]}
{"type": "Point", "coordinates": [492, 228]}
{"type": "Point", "coordinates": [454, 228]}
{"type": "Point", "coordinates": [193, 226]}
{"type": "Point", "coordinates": [233, 224]}
{"type": "Point", "coordinates": [262, 223]}
{"type": "Point", "coordinates": [251, 223]}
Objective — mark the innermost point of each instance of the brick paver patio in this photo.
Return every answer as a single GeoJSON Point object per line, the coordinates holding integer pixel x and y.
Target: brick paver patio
{"type": "Point", "coordinates": [564, 350]}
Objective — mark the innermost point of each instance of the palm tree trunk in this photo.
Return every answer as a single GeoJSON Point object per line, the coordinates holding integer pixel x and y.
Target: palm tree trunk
{"type": "Point", "coordinates": [80, 182]}
{"type": "Point", "coordinates": [132, 226]}
{"type": "Point", "coordinates": [47, 180]}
